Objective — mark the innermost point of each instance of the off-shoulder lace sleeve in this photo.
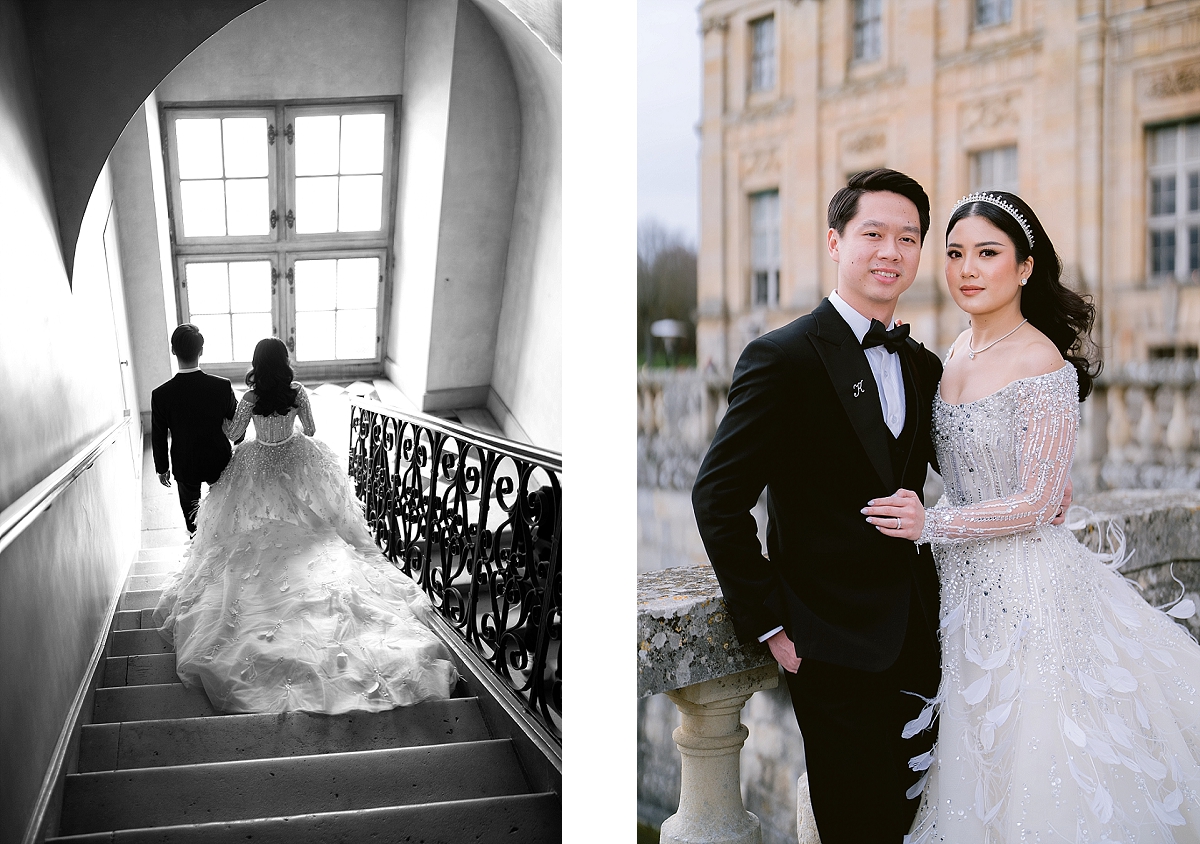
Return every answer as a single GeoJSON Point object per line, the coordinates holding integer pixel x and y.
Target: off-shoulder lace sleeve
{"type": "Point", "coordinates": [306, 417]}
{"type": "Point", "coordinates": [235, 428]}
{"type": "Point", "coordinates": [1049, 406]}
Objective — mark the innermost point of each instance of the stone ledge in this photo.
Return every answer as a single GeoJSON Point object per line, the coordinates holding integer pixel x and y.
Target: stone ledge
{"type": "Point", "coordinates": [685, 634]}
{"type": "Point", "coordinates": [1161, 526]}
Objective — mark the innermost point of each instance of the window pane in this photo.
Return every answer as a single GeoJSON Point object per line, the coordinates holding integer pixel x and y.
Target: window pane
{"type": "Point", "coordinates": [317, 204]}
{"type": "Point", "coordinates": [361, 201]}
{"type": "Point", "coordinates": [316, 285]}
{"type": "Point", "coordinates": [218, 347]}
{"type": "Point", "coordinates": [314, 335]}
{"type": "Point", "coordinates": [356, 334]}
{"type": "Point", "coordinates": [1193, 191]}
{"type": "Point", "coordinates": [199, 142]}
{"type": "Point", "coordinates": [1193, 249]}
{"type": "Point", "coordinates": [760, 288]}
{"type": "Point", "coordinates": [248, 206]}
{"type": "Point", "coordinates": [358, 283]}
{"type": "Point", "coordinates": [317, 145]}
{"type": "Point", "coordinates": [250, 287]}
{"type": "Point", "coordinates": [245, 146]}
{"type": "Point", "coordinates": [1162, 252]}
{"type": "Point", "coordinates": [1162, 145]}
{"type": "Point", "coordinates": [248, 329]}
{"type": "Point", "coordinates": [1162, 195]}
{"type": "Point", "coordinates": [203, 208]}
{"type": "Point", "coordinates": [362, 143]}
{"type": "Point", "coordinates": [208, 288]}
{"type": "Point", "coordinates": [1191, 142]}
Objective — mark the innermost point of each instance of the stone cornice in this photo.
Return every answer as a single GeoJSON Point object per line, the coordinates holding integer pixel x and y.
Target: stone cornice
{"type": "Point", "coordinates": [1031, 42]}
{"type": "Point", "coordinates": [1151, 33]}
{"type": "Point", "coordinates": [781, 107]}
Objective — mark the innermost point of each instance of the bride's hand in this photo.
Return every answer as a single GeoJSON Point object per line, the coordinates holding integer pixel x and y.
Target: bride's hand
{"type": "Point", "coordinates": [901, 515]}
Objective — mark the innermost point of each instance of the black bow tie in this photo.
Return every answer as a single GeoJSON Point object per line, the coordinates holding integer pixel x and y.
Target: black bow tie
{"type": "Point", "coordinates": [877, 335]}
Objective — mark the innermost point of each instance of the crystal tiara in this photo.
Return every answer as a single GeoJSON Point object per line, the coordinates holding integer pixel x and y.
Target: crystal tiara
{"type": "Point", "coordinates": [999, 203]}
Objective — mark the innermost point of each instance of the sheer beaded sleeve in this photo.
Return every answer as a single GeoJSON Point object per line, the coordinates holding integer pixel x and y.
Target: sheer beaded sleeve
{"type": "Point", "coordinates": [1048, 406]}
{"type": "Point", "coordinates": [235, 428]}
{"type": "Point", "coordinates": [306, 417]}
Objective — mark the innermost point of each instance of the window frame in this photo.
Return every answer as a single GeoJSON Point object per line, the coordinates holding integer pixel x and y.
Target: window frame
{"type": "Point", "coordinates": [283, 246]}
{"type": "Point", "coordinates": [771, 268]}
{"type": "Point", "coordinates": [974, 166]}
{"type": "Point", "coordinates": [1182, 223]}
{"type": "Point", "coordinates": [768, 61]}
{"type": "Point", "coordinates": [857, 25]}
{"type": "Point", "coordinates": [999, 6]}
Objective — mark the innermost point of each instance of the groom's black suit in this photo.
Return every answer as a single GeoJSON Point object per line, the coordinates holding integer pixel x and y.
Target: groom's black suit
{"type": "Point", "coordinates": [805, 423]}
{"type": "Point", "coordinates": [192, 406]}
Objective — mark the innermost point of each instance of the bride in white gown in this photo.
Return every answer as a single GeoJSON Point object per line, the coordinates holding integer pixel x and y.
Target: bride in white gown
{"type": "Point", "coordinates": [1069, 709]}
{"type": "Point", "coordinates": [284, 602]}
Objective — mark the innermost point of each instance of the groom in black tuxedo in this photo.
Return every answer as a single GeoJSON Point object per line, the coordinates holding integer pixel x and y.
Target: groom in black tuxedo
{"type": "Point", "coordinates": [828, 413]}
{"type": "Point", "coordinates": [191, 406]}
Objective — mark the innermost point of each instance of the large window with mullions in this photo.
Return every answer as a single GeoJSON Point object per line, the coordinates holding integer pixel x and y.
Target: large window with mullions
{"type": "Point", "coordinates": [1173, 200]}
{"type": "Point", "coordinates": [281, 222]}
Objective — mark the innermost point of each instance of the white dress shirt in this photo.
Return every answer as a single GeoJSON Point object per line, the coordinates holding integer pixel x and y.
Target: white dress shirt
{"type": "Point", "coordinates": [889, 378]}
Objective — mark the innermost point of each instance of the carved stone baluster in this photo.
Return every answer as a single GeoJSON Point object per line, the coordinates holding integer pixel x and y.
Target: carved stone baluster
{"type": "Point", "coordinates": [1149, 431]}
{"type": "Point", "coordinates": [710, 738]}
{"type": "Point", "coordinates": [1120, 432]}
{"type": "Point", "coordinates": [1179, 430]}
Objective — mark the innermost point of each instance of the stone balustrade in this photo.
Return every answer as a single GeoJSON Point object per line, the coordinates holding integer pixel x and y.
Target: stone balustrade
{"type": "Point", "coordinates": [1142, 426]}
{"type": "Point", "coordinates": [687, 650]}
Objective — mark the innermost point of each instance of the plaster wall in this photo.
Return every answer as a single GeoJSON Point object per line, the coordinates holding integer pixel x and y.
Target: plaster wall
{"type": "Point", "coordinates": [297, 49]}
{"type": "Point", "coordinates": [145, 250]}
{"type": "Point", "coordinates": [61, 382]}
{"type": "Point", "coordinates": [424, 115]}
{"type": "Point", "coordinates": [526, 395]}
{"type": "Point", "coordinates": [483, 148]}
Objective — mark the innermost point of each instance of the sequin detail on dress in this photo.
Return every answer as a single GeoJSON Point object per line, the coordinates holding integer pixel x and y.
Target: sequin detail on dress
{"type": "Point", "coordinates": [284, 602]}
{"type": "Point", "coordinates": [1069, 708]}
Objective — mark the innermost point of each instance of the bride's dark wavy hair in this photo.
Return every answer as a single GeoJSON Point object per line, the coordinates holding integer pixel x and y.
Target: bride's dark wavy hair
{"type": "Point", "coordinates": [270, 376]}
{"type": "Point", "coordinates": [1050, 306]}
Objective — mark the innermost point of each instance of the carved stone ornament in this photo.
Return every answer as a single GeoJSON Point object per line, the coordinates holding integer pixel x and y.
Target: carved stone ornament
{"type": "Point", "coordinates": [865, 141]}
{"type": "Point", "coordinates": [760, 162]}
{"type": "Point", "coordinates": [991, 113]}
{"type": "Point", "coordinates": [718, 23]}
{"type": "Point", "coordinates": [1173, 82]}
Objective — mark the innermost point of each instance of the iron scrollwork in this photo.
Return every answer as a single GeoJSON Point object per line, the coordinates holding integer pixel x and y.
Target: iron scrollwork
{"type": "Point", "coordinates": [476, 521]}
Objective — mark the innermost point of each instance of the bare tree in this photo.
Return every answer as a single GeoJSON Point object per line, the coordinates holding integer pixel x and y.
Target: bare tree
{"type": "Point", "coordinates": [666, 281]}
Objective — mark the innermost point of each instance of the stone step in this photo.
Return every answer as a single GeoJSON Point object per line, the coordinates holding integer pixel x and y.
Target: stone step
{"type": "Point", "coordinates": [146, 744]}
{"type": "Point", "coordinates": [128, 642]}
{"type": "Point", "coordinates": [140, 599]}
{"type": "Point", "coordinates": [139, 670]}
{"type": "Point", "coordinates": [335, 782]}
{"type": "Point", "coordinates": [524, 818]}
{"type": "Point", "coordinates": [156, 567]}
{"type": "Point", "coordinates": [169, 552]}
{"type": "Point", "coordinates": [138, 582]}
{"type": "Point", "coordinates": [151, 703]}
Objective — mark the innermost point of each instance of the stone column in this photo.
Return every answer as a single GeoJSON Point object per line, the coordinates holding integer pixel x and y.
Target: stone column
{"type": "Point", "coordinates": [710, 739]}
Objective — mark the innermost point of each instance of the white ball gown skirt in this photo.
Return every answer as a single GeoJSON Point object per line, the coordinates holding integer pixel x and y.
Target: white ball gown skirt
{"type": "Point", "coordinates": [284, 602]}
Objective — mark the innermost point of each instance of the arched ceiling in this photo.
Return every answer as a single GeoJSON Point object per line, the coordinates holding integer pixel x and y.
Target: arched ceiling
{"type": "Point", "coordinates": [94, 65]}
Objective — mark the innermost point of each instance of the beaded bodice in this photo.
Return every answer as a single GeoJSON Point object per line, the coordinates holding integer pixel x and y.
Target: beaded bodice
{"type": "Point", "coordinates": [1004, 458]}
{"type": "Point", "coordinates": [276, 428]}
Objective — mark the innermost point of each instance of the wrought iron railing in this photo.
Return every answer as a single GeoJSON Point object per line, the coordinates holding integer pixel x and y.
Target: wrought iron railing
{"type": "Point", "coordinates": [476, 521]}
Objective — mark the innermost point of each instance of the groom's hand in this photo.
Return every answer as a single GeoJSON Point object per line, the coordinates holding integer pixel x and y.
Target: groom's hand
{"type": "Point", "coordinates": [784, 651]}
{"type": "Point", "coordinates": [164, 478]}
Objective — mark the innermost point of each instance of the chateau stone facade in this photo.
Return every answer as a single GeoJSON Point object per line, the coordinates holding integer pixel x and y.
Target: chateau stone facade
{"type": "Point", "coordinates": [1083, 108]}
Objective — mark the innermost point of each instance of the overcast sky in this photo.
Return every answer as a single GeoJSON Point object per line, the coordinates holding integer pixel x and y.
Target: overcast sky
{"type": "Point", "coordinates": [668, 86]}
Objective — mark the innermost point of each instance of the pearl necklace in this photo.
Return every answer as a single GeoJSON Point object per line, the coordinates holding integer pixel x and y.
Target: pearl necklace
{"type": "Point", "coordinates": [972, 352]}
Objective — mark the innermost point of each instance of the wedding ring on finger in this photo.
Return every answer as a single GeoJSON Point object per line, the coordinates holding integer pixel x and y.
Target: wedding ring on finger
{"type": "Point", "coordinates": [898, 523]}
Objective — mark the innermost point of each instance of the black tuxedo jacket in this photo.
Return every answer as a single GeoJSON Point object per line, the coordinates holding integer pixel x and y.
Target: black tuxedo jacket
{"type": "Point", "coordinates": [805, 422]}
{"type": "Point", "coordinates": [191, 406]}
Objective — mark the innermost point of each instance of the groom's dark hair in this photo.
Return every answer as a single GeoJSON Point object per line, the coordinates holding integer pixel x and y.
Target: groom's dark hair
{"type": "Point", "coordinates": [187, 342]}
{"type": "Point", "coordinates": [844, 204]}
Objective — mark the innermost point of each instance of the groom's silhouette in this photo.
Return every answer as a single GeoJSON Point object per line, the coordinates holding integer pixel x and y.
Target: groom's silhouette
{"type": "Point", "coordinates": [826, 422]}
{"type": "Point", "coordinates": [191, 406]}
